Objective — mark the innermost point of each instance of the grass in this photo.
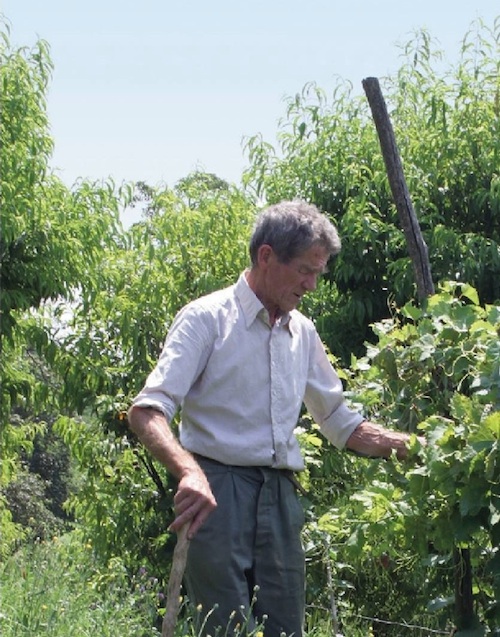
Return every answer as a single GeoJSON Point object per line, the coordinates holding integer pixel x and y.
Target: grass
{"type": "Point", "coordinates": [56, 588]}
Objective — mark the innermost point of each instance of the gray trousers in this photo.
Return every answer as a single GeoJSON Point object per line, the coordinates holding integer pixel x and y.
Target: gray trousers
{"type": "Point", "coordinates": [249, 549]}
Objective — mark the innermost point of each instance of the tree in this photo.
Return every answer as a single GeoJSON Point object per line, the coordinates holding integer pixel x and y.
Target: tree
{"type": "Point", "coordinates": [52, 242]}
{"type": "Point", "coordinates": [447, 126]}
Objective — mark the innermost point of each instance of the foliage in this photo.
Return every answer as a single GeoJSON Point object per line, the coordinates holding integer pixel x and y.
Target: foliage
{"type": "Point", "coordinates": [125, 510]}
{"type": "Point", "coordinates": [447, 126]}
{"type": "Point", "coordinates": [58, 588]}
{"type": "Point", "coordinates": [27, 502]}
{"type": "Point", "coordinates": [51, 238]}
{"type": "Point", "coordinates": [36, 493]}
{"type": "Point", "coordinates": [51, 246]}
{"type": "Point", "coordinates": [437, 366]}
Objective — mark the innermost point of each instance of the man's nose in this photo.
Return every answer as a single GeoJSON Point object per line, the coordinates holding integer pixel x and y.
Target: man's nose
{"type": "Point", "coordinates": [310, 282]}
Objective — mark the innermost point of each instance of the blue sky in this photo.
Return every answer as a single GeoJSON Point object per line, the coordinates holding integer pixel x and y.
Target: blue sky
{"type": "Point", "coordinates": [152, 90]}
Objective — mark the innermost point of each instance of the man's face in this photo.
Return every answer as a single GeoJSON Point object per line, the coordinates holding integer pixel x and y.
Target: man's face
{"type": "Point", "coordinates": [286, 283]}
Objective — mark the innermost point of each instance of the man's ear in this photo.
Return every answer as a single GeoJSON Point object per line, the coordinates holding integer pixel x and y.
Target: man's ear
{"type": "Point", "coordinates": [264, 255]}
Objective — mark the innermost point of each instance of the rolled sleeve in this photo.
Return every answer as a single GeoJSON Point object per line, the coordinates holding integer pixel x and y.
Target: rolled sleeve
{"type": "Point", "coordinates": [338, 427]}
{"type": "Point", "coordinates": [155, 401]}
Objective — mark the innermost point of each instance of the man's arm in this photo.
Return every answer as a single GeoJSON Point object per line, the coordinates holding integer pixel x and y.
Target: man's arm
{"type": "Point", "coordinates": [193, 500]}
{"type": "Point", "coordinates": [369, 439]}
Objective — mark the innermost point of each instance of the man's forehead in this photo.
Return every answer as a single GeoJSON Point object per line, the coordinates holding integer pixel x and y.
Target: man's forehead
{"type": "Point", "coordinates": [314, 261]}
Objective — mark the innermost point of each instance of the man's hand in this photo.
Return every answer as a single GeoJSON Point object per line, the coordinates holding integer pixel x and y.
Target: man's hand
{"type": "Point", "coordinates": [194, 501]}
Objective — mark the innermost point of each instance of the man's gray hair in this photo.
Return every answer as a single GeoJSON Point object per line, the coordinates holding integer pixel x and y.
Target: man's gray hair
{"type": "Point", "coordinates": [291, 228]}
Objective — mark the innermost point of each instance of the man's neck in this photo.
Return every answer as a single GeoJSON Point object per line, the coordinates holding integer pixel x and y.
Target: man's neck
{"type": "Point", "coordinates": [273, 311]}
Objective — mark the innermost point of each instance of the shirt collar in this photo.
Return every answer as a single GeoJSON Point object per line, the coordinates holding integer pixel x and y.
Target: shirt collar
{"type": "Point", "coordinates": [252, 306]}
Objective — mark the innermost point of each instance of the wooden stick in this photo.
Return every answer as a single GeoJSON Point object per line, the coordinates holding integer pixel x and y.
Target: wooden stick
{"type": "Point", "coordinates": [175, 582]}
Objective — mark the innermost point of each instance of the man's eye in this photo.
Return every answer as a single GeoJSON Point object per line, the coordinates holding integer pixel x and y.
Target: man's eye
{"type": "Point", "coordinates": [307, 271]}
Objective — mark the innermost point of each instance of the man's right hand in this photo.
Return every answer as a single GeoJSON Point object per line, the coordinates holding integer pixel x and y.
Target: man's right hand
{"type": "Point", "coordinates": [193, 502]}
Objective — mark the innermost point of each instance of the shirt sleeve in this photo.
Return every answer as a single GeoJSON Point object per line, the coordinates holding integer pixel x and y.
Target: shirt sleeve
{"type": "Point", "coordinates": [324, 398]}
{"type": "Point", "coordinates": [183, 358]}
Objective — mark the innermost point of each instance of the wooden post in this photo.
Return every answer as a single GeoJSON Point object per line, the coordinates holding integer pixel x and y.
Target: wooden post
{"type": "Point", "coordinates": [464, 599]}
{"type": "Point", "coordinates": [417, 247]}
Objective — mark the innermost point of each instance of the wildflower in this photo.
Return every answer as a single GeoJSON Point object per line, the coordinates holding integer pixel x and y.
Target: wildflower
{"type": "Point", "coordinates": [199, 608]}
{"type": "Point", "coordinates": [259, 633]}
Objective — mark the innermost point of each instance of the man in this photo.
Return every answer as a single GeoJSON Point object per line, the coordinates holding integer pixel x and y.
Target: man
{"type": "Point", "coordinates": [240, 362]}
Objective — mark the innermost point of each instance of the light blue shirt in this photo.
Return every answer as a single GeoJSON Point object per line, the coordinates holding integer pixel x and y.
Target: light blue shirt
{"type": "Point", "coordinates": [241, 383]}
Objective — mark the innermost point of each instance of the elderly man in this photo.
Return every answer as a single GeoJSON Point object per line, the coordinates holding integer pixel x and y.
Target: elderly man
{"type": "Point", "coordinates": [240, 363]}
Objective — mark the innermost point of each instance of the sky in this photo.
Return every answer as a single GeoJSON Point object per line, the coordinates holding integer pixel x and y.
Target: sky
{"type": "Point", "coordinates": [153, 90]}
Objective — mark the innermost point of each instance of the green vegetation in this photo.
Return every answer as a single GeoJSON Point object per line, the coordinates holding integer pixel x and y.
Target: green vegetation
{"type": "Point", "coordinates": [56, 587]}
{"type": "Point", "coordinates": [447, 126]}
{"type": "Point", "coordinates": [393, 549]}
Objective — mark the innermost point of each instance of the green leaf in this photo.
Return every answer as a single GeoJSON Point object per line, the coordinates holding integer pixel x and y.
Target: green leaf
{"type": "Point", "coordinates": [470, 293]}
{"type": "Point", "coordinates": [472, 499]}
{"type": "Point", "coordinates": [411, 311]}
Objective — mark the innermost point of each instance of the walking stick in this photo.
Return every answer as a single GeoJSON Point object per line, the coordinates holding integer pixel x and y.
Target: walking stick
{"type": "Point", "coordinates": [174, 582]}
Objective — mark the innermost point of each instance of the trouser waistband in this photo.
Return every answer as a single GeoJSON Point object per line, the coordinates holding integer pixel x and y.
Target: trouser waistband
{"type": "Point", "coordinates": [287, 473]}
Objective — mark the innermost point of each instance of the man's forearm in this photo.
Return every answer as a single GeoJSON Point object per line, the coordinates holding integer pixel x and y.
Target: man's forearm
{"type": "Point", "coordinates": [370, 439]}
{"type": "Point", "coordinates": [153, 430]}
{"type": "Point", "coordinates": [193, 500]}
